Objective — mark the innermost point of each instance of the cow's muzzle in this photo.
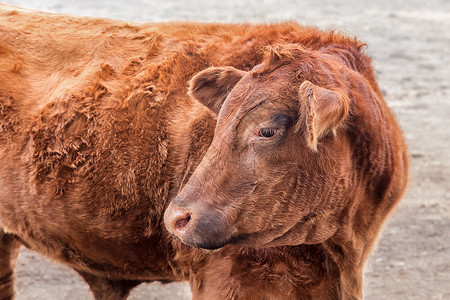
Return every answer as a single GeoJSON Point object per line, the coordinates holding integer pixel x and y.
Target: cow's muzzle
{"type": "Point", "coordinates": [196, 226]}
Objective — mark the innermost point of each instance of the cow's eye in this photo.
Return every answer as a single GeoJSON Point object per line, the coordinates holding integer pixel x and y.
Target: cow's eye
{"type": "Point", "coordinates": [266, 132]}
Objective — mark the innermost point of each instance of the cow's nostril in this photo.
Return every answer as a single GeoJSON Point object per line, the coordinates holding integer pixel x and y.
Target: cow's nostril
{"type": "Point", "coordinates": [178, 220]}
{"type": "Point", "coordinates": [181, 223]}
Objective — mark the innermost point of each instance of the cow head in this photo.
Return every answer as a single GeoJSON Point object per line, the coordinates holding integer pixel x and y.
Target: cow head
{"type": "Point", "coordinates": [277, 169]}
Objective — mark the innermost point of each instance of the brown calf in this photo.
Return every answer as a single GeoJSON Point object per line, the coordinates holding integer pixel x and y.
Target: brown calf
{"type": "Point", "coordinates": [98, 134]}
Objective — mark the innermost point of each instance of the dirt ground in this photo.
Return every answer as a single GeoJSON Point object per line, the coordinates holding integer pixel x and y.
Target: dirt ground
{"type": "Point", "coordinates": [409, 42]}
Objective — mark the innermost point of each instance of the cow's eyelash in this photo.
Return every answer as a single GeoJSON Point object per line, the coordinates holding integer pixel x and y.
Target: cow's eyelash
{"type": "Point", "coordinates": [267, 132]}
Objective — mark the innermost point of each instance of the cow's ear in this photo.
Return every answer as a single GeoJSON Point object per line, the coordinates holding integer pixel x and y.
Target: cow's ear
{"type": "Point", "coordinates": [321, 110]}
{"type": "Point", "coordinates": [211, 86]}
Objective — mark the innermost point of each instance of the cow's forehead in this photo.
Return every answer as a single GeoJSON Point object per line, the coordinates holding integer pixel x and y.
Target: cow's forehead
{"type": "Point", "coordinates": [250, 93]}
{"type": "Point", "coordinates": [249, 96]}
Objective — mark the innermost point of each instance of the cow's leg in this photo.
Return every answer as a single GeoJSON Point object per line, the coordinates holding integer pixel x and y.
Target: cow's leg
{"type": "Point", "coordinates": [107, 289]}
{"type": "Point", "coordinates": [9, 250]}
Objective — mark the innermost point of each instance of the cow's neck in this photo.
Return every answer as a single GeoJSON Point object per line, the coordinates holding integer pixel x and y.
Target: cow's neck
{"type": "Point", "coordinates": [351, 244]}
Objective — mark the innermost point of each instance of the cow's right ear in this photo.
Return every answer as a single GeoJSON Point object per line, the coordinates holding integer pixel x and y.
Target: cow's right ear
{"type": "Point", "coordinates": [212, 86]}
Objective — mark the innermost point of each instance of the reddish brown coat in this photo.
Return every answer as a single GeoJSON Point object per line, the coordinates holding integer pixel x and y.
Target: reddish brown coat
{"type": "Point", "coordinates": [98, 134]}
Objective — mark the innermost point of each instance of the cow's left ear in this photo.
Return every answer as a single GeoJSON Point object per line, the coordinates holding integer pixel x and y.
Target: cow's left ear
{"type": "Point", "coordinates": [211, 86]}
{"type": "Point", "coordinates": [321, 110]}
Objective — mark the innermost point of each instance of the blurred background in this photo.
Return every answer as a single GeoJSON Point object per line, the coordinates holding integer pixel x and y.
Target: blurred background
{"type": "Point", "coordinates": [409, 42]}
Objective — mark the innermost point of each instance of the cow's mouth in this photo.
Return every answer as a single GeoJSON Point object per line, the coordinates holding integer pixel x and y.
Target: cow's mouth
{"type": "Point", "coordinates": [208, 245]}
